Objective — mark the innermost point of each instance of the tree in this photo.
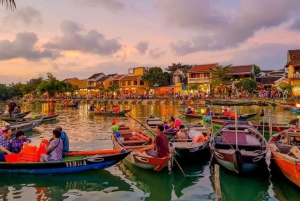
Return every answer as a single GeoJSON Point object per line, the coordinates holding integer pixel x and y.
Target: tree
{"type": "Point", "coordinates": [15, 90]}
{"type": "Point", "coordinates": [193, 87]}
{"type": "Point", "coordinates": [286, 87]}
{"type": "Point", "coordinates": [256, 70]}
{"type": "Point", "coordinates": [31, 86]}
{"type": "Point", "coordinates": [4, 93]}
{"type": "Point", "coordinates": [248, 84]}
{"type": "Point", "coordinates": [220, 76]}
{"type": "Point", "coordinates": [114, 87]}
{"type": "Point", "coordinates": [9, 3]}
{"type": "Point", "coordinates": [185, 68]}
{"type": "Point", "coordinates": [52, 86]}
{"type": "Point", "coordinates": [157, 77]}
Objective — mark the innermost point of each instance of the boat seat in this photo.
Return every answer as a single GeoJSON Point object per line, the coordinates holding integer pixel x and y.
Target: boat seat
{"type": "Point", "coordinates": [154, 123]}
{"type": "Point", "coordinates": [231, 138]}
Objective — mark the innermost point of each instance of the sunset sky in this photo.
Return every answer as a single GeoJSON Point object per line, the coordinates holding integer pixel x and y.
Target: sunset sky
{"type": "Point", "coordinates": [77, 38]}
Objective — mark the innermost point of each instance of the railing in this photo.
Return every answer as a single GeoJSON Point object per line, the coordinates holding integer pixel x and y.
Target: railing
{"type": "Point", "coordinates": [199, 80]}
{"type": "Point", "coordinates": [295, 75]}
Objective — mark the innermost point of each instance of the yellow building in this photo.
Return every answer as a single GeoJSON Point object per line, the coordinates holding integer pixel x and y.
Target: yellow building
{"type": "Point", "coordinates": [103, 83]}
{"type": "Point", "coordinates": [81, 84]}
{"type": "Point", "coordinates": [293, 69]}
{"type": "Point", "coordinates": [133, 83]}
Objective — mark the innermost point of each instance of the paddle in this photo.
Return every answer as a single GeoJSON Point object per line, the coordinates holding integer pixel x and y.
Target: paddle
{"type": "Point", "coordinates": [127, 115]}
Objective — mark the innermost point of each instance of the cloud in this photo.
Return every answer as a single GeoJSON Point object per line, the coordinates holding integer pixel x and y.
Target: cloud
{"type": "Point", "coordinates": [223, 28]}
{"type": "Point", "coordinates": [142, 47]}
{"type": "Point", "coordinates": [92, 42]}
{"type": "Point", "coordinates": [156, 53]}
{"type": "Point", "coordinates": [112, 5]}
{"type": "Point", "coordinates": [24, 47]}
{"type": "Point", "coordinates": [24, 16]}
{"type": "Point", "coordinates": [296, 25]}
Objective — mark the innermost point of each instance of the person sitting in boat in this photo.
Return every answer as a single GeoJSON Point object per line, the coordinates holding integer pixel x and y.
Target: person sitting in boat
{"type": "Point", "coordinates": [76, 103]}
{"type": "Point", "coordinates": [117, 108]}
{"type": "Point", "coordinates": [92, 107]}
{"type": "Point", "coordinates": [160, 147]}
{"type": "Point", "coordinates": [3, 151]}
{"type": "Point", "coordinates": [54, 151]}
{"type": "Point", "coordinates": [18, 142]}
{"type": "Point", "coordinates": [229, 109]}
{"type": "Point", "coordinates": [17, 110]}
{"type": "Point", "coordinates": [104, 108]}
{"type": "Point", "coordinates": [225, 113]}
{"type": "Point", "coordinates": [5, 140]}
{"type": "Point", "coordinates": [207, 111]}
{"type": "Point", "coordinates": [171, 124]}
{"type": "Point", "coordinates": [65, 139]}
{"type": "Point", "coordinates": [2, 111]}
{"type": "Point", "coordinates": [189, 110]}
{"type": "Point", "coordinates": [182, 133]}
{"type": "Point", "coordinates": [202, 137]}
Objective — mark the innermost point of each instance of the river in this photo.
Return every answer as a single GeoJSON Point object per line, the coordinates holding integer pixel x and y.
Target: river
{"type": "Point", "coordinates": [125, 182]}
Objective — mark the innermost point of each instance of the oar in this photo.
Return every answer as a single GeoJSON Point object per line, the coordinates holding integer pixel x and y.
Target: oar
{"type": "Point", "coordinates": [127, 115]}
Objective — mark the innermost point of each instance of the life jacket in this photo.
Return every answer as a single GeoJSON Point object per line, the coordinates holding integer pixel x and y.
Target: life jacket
{"type": "Point", "coordinates": [226, 113]}
{"type": "Point", "coordinates": [27, 154]}
{"type": "Point", "coordinates": [41, 149]}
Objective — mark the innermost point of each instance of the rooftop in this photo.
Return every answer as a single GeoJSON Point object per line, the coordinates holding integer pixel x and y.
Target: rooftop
{"type": "Point", "coordinates": [294, 57]}
{"type": "Point", "coordinates": [267, 80]}
{"type": "Point", "coordinates": [245, 69]}
{"type": "Point", "coordinates": [202, 68]}
{"type": "Point", "coordinates": [131, 77]}
{"type": "Point", "coordinates": [119, 77]}
{"type": "Point", "coordinates": [96, 75]}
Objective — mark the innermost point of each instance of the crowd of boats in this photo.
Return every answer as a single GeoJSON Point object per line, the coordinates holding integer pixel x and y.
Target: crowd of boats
{"type": "Point", "coordinates": [238, 144]}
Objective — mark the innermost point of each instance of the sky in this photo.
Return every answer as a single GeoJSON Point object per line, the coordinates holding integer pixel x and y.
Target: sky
{"type": "Point", "coordinates": [77, 38]}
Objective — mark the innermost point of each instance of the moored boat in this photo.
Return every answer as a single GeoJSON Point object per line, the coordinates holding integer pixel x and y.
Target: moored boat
{"type": "Point", "coordinates": [152, 122]}
{"type": "Point", "coordinates": [70, 105]}
{"type": "Point", "coordinates": [74, 162]}
{"type": "Point", "coordinates": [186, 147]}
{"type": "Point", "coordinates": [241, 117]}
{"type": "Point", "coordinates": [133, 140]}
{"type": "Point", "coordinates": [110, 113]}
{"type": "Point", "coordinates": [18, 115]}
{"type": "Point", "coordinates": [43, 117]}
{"type": "Point", "coordinates": [238, 147]}
{"type": "Point", "coordinates": [284, 147]}
{"type": "Point", "coordinates": [24, 126]}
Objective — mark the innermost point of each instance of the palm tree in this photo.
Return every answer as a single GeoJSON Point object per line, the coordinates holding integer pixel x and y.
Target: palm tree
{"type": "Point", "coordinates": [9, 3]}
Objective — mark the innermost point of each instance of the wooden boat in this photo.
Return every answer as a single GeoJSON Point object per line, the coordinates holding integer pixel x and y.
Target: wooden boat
{"type": "Point", "coordinates": [110, 113]}
{"type": "Point", "coordinates": [284, 147]}
{"type": "Point", "coordinates": [70, 105]}
{"type": "Point", "coordinates": [24, 126]}
{"type": "Point", "coordinates": [239, 148]}
{"type": "Point", "coordinates": [152, 122]}
{"type": "Point", "coordinates": [43, 117]}
{"type": "Point", "coordinates": [293, 109]}
{"type": "Point", "coordinates": [134, 140]}
{"type": "Point", "coordinates": [241, 117]}
{"type": "Point", "coordinates": [19, 115]}
{"type": "Point", "coordinates": [276, 127]}
{"type": "Point", "coordinates": [186, 147]}
{"type": "Point", "coordinates": [74, 162]}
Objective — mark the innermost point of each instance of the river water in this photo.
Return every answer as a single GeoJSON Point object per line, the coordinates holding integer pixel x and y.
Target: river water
{"type": "Point", "coordinates": [125, 182]}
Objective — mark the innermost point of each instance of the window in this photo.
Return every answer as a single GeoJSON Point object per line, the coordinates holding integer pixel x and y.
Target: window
{"type": "Point", "coordinates": [141, 82]}
{"type": "Point", "coordinates": [195, 75]}
{"type": "Point", "coordinates": [135, 82]}
{"type": "Point", "coordinates": [297, 69]}
{"type": "Point", "coordinates": [128, 83]}
{"type": "Point", "coordinates": [206, 74]}
{"type": "Point", "coordinates": [124, 83]}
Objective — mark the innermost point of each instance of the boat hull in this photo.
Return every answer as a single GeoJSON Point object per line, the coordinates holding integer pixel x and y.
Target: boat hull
{"type": "Point", "coordinates": [221, 117]}
{"type": "Point", "coordinates": [191, 152]}
{"type": "Point", "coordinates": [121, 113]}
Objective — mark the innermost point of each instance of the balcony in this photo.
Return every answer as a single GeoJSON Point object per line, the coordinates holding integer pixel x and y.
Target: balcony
{"type": "Point", "coordinates": [295, 76]}
{"type": "Point", "coordinates": [198, 80]}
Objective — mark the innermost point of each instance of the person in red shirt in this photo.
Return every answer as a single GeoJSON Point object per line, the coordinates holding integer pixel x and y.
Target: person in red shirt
{"type": "Point", "coordinates": [159, 148]}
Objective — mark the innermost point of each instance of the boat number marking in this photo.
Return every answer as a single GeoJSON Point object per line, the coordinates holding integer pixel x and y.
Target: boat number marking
{"type": "Point", "coordinates": [194, 149]}
{"type": "Point", "coordinates": [75, 163]}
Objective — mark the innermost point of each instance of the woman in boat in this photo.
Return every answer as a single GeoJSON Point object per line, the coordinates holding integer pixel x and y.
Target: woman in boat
{"type": "Point", "coordinates": [202, 137]}
{"type": "Point", "coordinates": [189, 110]}
{"type": "Point", "coordinates": [182, 134]}
{"type": "Point", "coordinates": [225, 113]}
{"type": "Point", "coordinates": [92, 107]}
{"type": "Point", "coordinates": [55, 149]}
{"type": "Point", "coordinates": [18, 141]}
{"type": "Point", "coordinates": [171, 124]}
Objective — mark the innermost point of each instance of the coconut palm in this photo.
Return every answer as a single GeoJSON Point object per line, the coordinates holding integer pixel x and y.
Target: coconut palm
{"type": "Point", "coordinates": [9, 3]}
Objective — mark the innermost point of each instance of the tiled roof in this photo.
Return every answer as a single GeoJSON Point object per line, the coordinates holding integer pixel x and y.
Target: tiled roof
{"type": "Point", "coordinates": [267, 80]}
{"type": "Point", "coordinates": [95, 75]}
{"type": "Point", "coordinates": [102, 79]}
{"type": "Point", "coordinates": [294, 57]}
{"type": "Point", "coordinates": [69, 79]}
{"type": "Point", "coordinates": [113, 75]}
{"type": "Point", "coordinates": [202, 68]}
{"type": "Point", "coordinates": [131, 77]}
{"type": "Point", "coordinates": [118, 77]}
{"type": "Point", "coordinates": [246, 69]}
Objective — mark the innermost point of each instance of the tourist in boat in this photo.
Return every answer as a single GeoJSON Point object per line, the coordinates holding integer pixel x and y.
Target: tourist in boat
{"type": "Point", "coordinates": [65, 139]}
{"type": "Point", "coordinates": [11, 108]}
{"type": "Point", "coordinates": [171, 124]}
{"type": "Point", "coordinates": [104, 108]}
{"type": "Point", "coordinates": [54, 151]}
{"type": "Point", "coordinates": [5, 140]}
{"type": "Point", "coordinates": [229, 109]}
{"type": "Point", "coordinates": [182, 134]}
{"type": "Point", "coordinates": [92, 107]}
{"type": "Point", "coordinates": [189, 110]}
{"type": "Point", "coordinates": [207, 111]}
{"type": "Point", "coordinates": [76, 103]}
{"type": "Point", "coordinates": [202, 137]}
{"type": "Point", "coordinates": [3, 151]}
{"type": "Point", "coordinates": [225, 113]}
{"type": "Point", "coordinates": [17, 110]}
{"type": "Point", "coordinates": [18, 142]}
{"type": "Point", "coordinates": [159, 148]}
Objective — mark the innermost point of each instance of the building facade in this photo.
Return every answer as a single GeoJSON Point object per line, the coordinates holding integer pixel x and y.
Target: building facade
{"type": "Point", "coordinates": [293, 70]}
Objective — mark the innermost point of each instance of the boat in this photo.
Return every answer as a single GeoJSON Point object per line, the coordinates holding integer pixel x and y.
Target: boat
{"type": "Point", "coordinates": [134, 140]}
{"type": "Point", "coordinates": [241, 117]}
{"type": "Point", "coordinates": [110, 113]}
{"type": "Point", "coordinates": [24, 126]}
{"type": "Point", "coordinates": [76, 161]}
{"type": "Point", "coordinates": [276, 127]}
{"type": "Point", "coordinates": [152, 122]}
{"type": "Point", "coordinates": [293, 109]}
{"type": "Point", "coordinates": [43, 117]}
{"type": "Point", "coordinates": [284, 148]}
{"type": "Point", "coordinates": [186, 147]}
{"type": "Point", "coordinates": [18, 115]}
{"type": "Point", "coordinates": [239, 147]}
{"type": "Point", "coordinates": [70, 105]}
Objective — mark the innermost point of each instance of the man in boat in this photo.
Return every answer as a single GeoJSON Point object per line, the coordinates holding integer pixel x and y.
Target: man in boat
{"type": "Point", "coordinates": [65, 140]}
{"type": "Point", "coordinates": [182, 134]}
{"type": "Point", "coordinates": [189, 110]}
{"type": "Point", "coordinates": [226, 113]}
{"type": "Point", "coordinates": [3, 151]}
{"type": "Point", "coordinates": [159, 148]}
{"type": "Point", "coordinates": [92, 107]}
{"type": "Point", "coordinates": [54, 151]}
{"type": "Point", "coordinates": [11, 108]}
{"type": "Point", "coordinates": [5, 140]}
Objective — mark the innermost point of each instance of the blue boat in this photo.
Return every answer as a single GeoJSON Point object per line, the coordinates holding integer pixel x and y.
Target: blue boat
{"type": "Point", "coordinates": [76, 162]}
{"type": "Point", "coordinates": [294, 110]}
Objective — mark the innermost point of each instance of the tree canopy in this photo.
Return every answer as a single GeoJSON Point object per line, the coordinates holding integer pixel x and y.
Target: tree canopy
{"type": "Point", "coordinates": [248, 84]}
{"type": "Point", "coordinates": [185, 68]}
{"type": "Point", "coordinates": [220, 75]}
{"type": "Point", "coordinates": [9, 3]}
{"type": "Point", "coordinates": [157, 77]}
{"type": "Point", "coordinates": [256, 70]}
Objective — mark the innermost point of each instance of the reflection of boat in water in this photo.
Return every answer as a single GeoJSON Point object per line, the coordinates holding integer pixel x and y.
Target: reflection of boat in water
{"type": "Point", "coordinates": [59, 187]}
{"type": "Point", "coordinates": [251, 186]}
{"type": "Point", "coordinates": [166, 186]}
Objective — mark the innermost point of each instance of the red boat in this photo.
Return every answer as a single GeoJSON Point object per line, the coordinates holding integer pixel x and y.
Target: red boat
{"type": "Point", "coordinates": [285, 151]}
{"type": "Point", "coordinates": [134, 140]}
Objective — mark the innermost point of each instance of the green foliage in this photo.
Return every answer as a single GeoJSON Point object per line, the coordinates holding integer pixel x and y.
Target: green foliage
{"type": "Point", "coordinates": [174, 67]}
{"type": "Point", "coordinates": [31, 86]}
{"type": "Point", "coordinates": [15, 90]}
{"type": "Point", "coordinates": [287, 87]}
{"type": "Point", "coordinates": [248, 84]}
{"type": "Point", "coordinates": [114, 87]}
{"type": "Point", "coordinates": [52, 86]}
{"type": "Point", "coordinates": [9, 3]}
{"type": "Point", "coordinates": [220, 76]}
{"type": "Point", "coordinates": [4, 92]}
{"type": "Point", "coordinates": [256, 70]}
{"type": "Point", "coordinates": [157, 77]}
{"type": "Point", "coordinates": [193, 87]}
